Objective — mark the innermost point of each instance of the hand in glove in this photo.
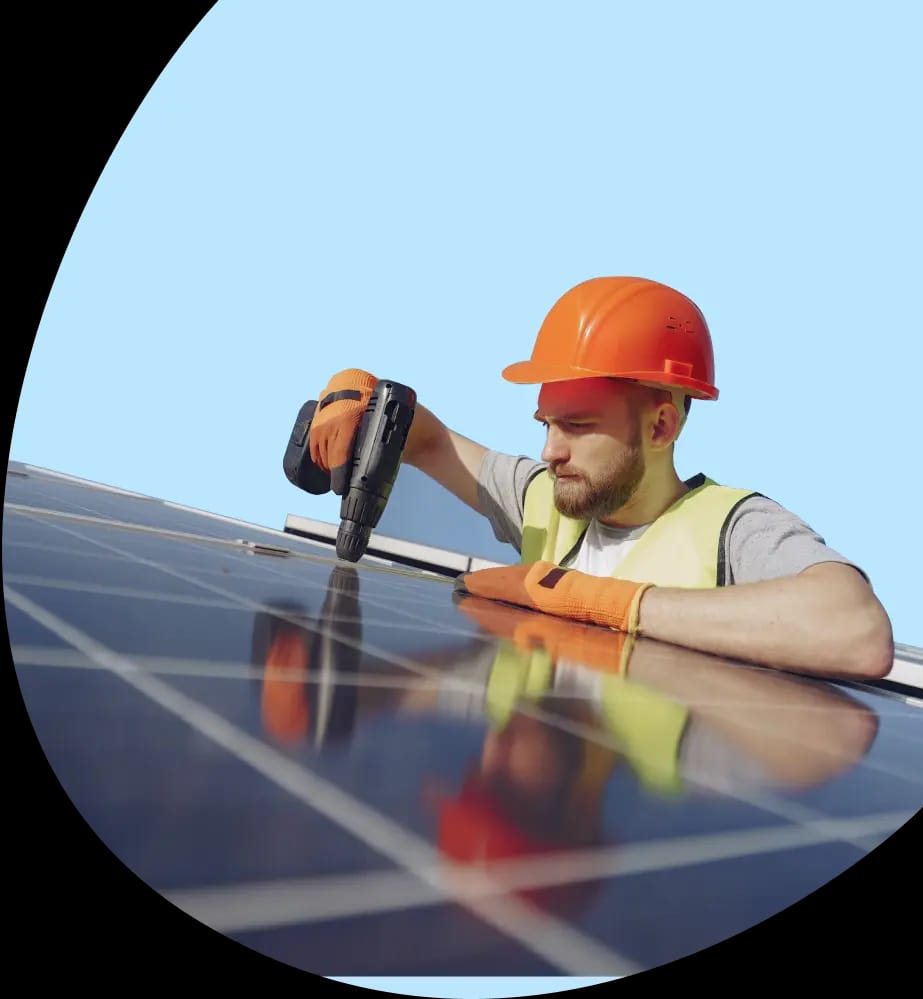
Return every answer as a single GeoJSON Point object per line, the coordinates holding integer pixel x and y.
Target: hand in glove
{"type": "Point", "coordinates": [596, 648]}
{"type": "Point", "coordinates": [336, 423]}
{"type": "Point", "coordinates": [546, 587]}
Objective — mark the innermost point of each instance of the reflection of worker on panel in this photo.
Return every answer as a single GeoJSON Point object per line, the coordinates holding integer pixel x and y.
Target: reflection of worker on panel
{"type": "Point", "coordinates": [566, 706]}
{"type": "Point", "coordinates": [570, 705]}
{"type": "Point", "coordinates": [677, 717]}
{"type": "Point", "coordinates": [308, 689]}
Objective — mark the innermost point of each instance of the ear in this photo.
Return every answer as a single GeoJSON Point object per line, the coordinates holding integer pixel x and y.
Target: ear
{"type": "Point", "coordinates": [666, 424]}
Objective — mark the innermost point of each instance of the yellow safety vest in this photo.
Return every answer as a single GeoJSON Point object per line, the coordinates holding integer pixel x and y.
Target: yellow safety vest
{"type": "Point", "coordinates": [647, 726]}
{"type": "Point", "coordinates": [684, 547]}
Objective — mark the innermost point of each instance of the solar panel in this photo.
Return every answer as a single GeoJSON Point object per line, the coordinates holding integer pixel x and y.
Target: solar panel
{"type": "Point", "coordinates": [343, 768]}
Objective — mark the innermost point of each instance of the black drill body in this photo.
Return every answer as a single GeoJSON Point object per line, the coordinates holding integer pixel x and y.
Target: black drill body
{"type": "Point", "coordinates": [376, 460]}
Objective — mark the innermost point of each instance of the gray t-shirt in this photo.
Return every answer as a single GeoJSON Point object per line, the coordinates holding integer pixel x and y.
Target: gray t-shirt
{"type": "Point", "coordinates": [764, 540]}
{"type": "Point", "coordinates": [709, 760]}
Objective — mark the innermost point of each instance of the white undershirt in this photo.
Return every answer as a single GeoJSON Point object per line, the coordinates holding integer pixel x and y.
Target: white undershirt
{"type": "Point", "coordinates": [603, 548]}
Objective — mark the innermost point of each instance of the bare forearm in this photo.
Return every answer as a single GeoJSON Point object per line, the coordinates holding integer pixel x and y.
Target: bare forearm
{"type": "Point", "coordinates": [444, 455]}
{"type": "Point", "coordinates": [825, 620]}
{"type": "Point", "coordinates": [801, 731]}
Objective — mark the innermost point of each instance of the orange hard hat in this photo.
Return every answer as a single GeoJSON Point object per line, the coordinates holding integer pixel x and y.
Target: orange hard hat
{"type": "Point", "coordinates": [623, 327]}
{"type": "Point", "coordinates": [475, 831]}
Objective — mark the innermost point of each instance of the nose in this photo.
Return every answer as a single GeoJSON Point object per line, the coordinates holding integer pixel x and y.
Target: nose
{"type": "Point", "coordinates": [555, 450]}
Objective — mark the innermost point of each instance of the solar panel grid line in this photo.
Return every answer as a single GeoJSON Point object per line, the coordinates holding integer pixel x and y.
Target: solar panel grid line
{"type": "Point", "coordinates": [389, 584]}
{"type": "Point", "coordinates": [387, 559]}
{"type": "Point", "coordinates": [862, 834]}
{"type": "Point", "coordinates": [93, 511]}
{"type": "Point", "coordinates": [763, 801]}
{"type": "Point", "coordinates": [370, 558]}
{"type": "Point", "coordinates": [320, 553]}
{"type": "Point", "coordinates": [222, 670]}
{"type": "Point", "coordinates": [107, 557]}
{"type": "Point", "coordinates": [38, 470]}
{"type": "Point", "coordinates": [283, 535]}
{"type": "Point", "coordinates": [914, 656]}
{"type": "Point", "coordinates": [236, 601]}
{"type": "Point", "coordinates": [371, 601]}
{"type": "Point", "coordinates": [248, 907]}
{"type": "Point", "coordinates": [552, 939]}
{"type": "Point", "coordinates": [116, 558]}
{"type": "Point", "coordinates": [53, 549]}
{"type": "Point", "coordinates": [241, 907]}
{"type": "Point", "coordinates": [784, 808]}
{"type": "Point", "coordinates": [100, 589]}
{"type": "Point", "coordinates": [907, 653]}
{"type": "Point", "coordinates": [128, 525]}
{"type": "Point", "coordinates": [209, 669]}
{"type": "Point", "coordinates": [128, 592]}
{"type": "Point", "coordinates": [235, 598]}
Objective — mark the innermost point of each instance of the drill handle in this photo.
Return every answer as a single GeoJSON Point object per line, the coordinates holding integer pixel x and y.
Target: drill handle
{"type": "Point", "coordinates": [299, 469]}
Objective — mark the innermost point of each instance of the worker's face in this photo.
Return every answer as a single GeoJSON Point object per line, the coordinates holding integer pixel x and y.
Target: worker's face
{"type": "Point", "coordinates": [522, 760]}
{"type": "Point", "coordinates": [593, 444]}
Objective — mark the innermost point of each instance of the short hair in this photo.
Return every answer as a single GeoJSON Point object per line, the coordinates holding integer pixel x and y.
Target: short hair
{"type": "Point", "coordinates": [666, 394]}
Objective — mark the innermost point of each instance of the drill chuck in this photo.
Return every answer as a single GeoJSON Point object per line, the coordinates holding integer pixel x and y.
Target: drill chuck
{"type": "Point", "coordinates": [352, 540]}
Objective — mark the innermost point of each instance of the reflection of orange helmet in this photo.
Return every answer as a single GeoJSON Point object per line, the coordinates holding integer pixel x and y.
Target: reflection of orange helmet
{"type": "Point", "coordinates": [623, 327]}
{"type": "Point", "coordinates": [481, 825]}
{"type": "Point", "coordinates": [475, 829]}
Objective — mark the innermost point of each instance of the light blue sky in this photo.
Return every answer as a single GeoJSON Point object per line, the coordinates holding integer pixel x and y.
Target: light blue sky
{"type": "Point", "coordinates": [408, 187]}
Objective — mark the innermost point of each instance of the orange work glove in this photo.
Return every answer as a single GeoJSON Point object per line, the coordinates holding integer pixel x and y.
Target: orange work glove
{"type": "Point", "coordinates": [596, 648]}
{"type": "Point", "coordinates": [336, 422]}
{"type": "Point", "coordinates": [544, 586]}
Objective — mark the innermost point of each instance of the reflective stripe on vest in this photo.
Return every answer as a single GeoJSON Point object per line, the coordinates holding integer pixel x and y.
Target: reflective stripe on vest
{"type": "Point", "coordinates": [685, 546]}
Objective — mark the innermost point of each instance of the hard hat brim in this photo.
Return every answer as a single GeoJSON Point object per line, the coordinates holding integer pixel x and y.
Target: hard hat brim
{"type": "Point", "coordinates": [534, 373]}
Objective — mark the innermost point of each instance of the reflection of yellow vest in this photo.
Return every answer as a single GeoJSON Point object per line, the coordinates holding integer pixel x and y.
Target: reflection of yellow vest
{"type": "Point", "coordinates": [685, 546]}
{"type": "Point", "coordinates": [646, 726]}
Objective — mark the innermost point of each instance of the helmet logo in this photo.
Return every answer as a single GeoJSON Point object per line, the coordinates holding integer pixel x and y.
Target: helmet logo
{"type": "Point", "coordinates": [677, 325]}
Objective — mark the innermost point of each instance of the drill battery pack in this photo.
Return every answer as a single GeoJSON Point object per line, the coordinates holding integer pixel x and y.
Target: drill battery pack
{"type": "Point", "coordinates": [377, 452]}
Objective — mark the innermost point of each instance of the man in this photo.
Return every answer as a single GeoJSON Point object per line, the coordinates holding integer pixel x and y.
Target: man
{"type": "Point", "coordinates": [607, 531]}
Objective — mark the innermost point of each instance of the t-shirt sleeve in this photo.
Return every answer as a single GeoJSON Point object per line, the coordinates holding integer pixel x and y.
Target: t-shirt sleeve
{"type": "Point", "coordinates": [501, 493]}
{"type": "Point", "coordinates": [716, 766]}
{"type": "Point", "coordinates": [766, 541]}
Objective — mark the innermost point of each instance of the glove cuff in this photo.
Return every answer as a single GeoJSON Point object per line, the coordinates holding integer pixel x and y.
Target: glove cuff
{"type": "Point", "coordinates": [634, 608]}
{"type": "Point", "coordinates": [353, 383]}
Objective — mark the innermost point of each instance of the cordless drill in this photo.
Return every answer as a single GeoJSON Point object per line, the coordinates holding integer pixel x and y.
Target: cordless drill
{"type": "Point", "coordinates": [376, 459]}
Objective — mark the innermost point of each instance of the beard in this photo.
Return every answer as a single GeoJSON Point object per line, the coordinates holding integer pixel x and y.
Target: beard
{"type": "Point", "coordinates": [586, 497]}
